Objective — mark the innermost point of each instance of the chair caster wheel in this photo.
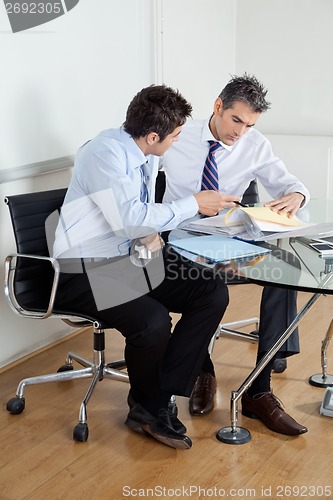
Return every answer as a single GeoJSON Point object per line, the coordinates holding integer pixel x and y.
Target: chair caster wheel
{"type": "Point", "coordinates": [65, 368]}
{"type": "Point", "coordinates": [256, 334]}
{"type": "Point", "coordinates": [16, 405]}
{"type": "Point", "coordinates": [81, 432]}
{"type": "Point", "coordinates": [279, 365]}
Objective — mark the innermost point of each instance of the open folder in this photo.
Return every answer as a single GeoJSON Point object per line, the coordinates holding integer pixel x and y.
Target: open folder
{"type": "Point", "coordinates": [252, 223]}
{"type": "Point", "coordinates": [268, 220]}
{"type": "Point", "coordinates": [217, 248]}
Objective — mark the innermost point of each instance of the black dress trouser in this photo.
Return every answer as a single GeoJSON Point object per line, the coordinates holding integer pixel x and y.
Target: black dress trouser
{"type": "Point", "coordinates": [278, 308]}
{"type": "Point", "coordinates": [156, 359]}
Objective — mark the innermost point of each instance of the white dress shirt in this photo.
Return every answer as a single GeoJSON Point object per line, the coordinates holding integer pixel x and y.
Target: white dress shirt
{"type": "Point", "coordinates": [249, 158]}
{"type": "Point", "coordinates": [107, 204]}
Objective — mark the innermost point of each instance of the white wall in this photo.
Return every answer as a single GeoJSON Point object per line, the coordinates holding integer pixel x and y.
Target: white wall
{"type": "Point", "coordinates": [308, 157]}
{"type": "Point", "coordinates": [289, 45]}
{"type": "Point", "coordinates": [62, 83]}
{"type": "Point", "coordinates": [197, 49]}
{"type": "Point", "coordinates": [199, 43]}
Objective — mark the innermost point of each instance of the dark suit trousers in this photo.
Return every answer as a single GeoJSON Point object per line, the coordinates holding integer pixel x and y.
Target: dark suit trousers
{"type": "Point", "coordinates": [156, 359]}
{"type": "Point", "coordinates": [277, 310]}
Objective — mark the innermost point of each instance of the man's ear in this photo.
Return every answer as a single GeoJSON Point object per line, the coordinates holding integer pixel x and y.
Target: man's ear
{"type": "Point", "coordinates": [152, 138]}
{"type": "Point", "coordinates": [218, 105]}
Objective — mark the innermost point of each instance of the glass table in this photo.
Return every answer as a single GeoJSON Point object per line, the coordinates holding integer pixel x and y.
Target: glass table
{"type": "Point", "coordinates": [291, 263]}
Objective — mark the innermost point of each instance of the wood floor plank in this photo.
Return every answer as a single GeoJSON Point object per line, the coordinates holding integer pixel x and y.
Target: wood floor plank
{"type": "Point", "coordinates": [40, 460]}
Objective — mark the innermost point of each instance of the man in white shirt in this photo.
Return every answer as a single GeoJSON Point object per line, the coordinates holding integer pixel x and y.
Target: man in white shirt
{"type": "Point", "coordinates": [241, 155]}
{"type": "Point", "coordinates": [106, 207]}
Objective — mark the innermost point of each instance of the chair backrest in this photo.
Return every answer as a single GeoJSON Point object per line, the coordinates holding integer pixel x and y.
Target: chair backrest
{"type": "Point", "coordinates": [251, 194]}
{"type": "Point", "coordinates": [28, 214]}
{"type": "Point", "coordinates": [160, 186]}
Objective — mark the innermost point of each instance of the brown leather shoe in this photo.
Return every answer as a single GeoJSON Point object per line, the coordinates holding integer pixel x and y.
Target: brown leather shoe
{"type": "Point", "coordinates": [202, 397]}
{"type": "Point", "coordinates": [268, 409]}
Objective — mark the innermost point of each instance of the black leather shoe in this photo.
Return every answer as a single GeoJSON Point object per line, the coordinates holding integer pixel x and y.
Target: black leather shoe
{"type": "Point", "coordinates": [155, 427]}
{"type": "Point", "coordinates": [176, 424]}
{"type": "Point", "coordinates": [268, 409]}
{"type": "Point", "coordinates": [202, 397]}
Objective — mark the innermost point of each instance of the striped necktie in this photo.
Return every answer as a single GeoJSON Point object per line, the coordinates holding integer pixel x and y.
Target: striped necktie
{"type": "Point", "coordinates": [143, 189]}
{"type": "Point", "coordinates": [210, 176]}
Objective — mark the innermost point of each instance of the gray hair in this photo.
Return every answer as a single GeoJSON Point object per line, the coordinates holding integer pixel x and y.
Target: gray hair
{"type": "Point", "coordinates": [247, 89]}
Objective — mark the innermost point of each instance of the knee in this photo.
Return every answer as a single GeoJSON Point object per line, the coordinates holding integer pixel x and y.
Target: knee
{"type": "Point", "coordinates": [219, 295]}
{"type": "Point", "coordinates": [154, 330]}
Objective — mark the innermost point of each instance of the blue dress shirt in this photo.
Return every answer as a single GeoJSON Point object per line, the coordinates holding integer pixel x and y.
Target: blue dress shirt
{"type": "Point", "coordinates": [105, 206]}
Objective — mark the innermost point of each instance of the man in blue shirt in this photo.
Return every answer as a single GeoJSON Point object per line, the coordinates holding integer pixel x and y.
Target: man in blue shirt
{"type": "Point", "coordinates": [109, 211]}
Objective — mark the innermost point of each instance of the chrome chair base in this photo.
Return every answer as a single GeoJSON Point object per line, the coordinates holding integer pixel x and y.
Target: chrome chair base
{"type": "Point", "coordinates": [97, 370]}
{"type": "Point", "coordinates": [231, 330]}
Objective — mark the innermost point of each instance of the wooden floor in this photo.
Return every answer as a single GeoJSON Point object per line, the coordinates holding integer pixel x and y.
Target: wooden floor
{"type": "Point", "coordinates": [39, 459]}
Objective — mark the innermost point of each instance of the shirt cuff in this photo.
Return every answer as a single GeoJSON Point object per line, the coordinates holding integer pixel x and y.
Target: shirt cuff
{"type": "Point", "coordinates": [187, 207]}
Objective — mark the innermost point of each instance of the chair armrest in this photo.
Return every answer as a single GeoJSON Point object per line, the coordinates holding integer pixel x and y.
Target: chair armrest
{"type": "Point", "coordinates": [10, 269]}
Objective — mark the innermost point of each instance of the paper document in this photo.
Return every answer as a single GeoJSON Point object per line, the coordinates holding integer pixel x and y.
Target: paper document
{"type": "Point", "coordinates": [251, 223]}
{"type": "Point", "coordinates": [216, 225]}
{"type": "Point", "coordinates": [267, 214]}
{"type": "Point", "coordinates": [218, 248]}
{"type": "Point", "coordinates": [268, 220]}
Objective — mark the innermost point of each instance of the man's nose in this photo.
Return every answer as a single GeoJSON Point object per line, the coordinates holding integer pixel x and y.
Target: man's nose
{"type": "Point", "coordinates": [240, 130]}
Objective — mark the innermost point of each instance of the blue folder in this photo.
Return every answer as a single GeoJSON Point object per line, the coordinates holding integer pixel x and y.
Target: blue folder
{"type": "Point", "coordinates": [218, 248]}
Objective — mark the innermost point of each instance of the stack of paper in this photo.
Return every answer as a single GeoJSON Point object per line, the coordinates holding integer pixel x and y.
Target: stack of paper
{"type": "Point", "coordinates": [251, 223]}
{"type": "Point", "coordinates": [219, 224]}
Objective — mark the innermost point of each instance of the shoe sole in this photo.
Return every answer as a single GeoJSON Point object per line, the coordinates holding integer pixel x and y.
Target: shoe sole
{"type": "Point", "coordinates": [135, 426]}
{"type": "Point", "coordinates": [146, 431]}
{"type": "Point", "coordinates": [181, 444]}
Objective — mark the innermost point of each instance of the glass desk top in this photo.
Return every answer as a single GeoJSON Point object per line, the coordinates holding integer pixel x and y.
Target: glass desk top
{"type": "Point", "coordinates": [292, 262]}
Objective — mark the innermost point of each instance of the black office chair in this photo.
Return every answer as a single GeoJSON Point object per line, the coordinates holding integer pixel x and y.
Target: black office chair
{"type": "Point", "coordinates": [31, 279]}
{"type": "Point", "coordinates": [232, 329]}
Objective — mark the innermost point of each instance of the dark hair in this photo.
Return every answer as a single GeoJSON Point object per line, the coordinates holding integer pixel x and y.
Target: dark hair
{"type": "Point", "coordinates": [247, 89]}
{"type": "Point", "coordinates": [157, 108]}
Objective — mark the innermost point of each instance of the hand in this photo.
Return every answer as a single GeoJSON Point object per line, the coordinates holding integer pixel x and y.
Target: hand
{"type": "Point", "coordinates": [288, 204]}
{"type": "Point", "coordinates": [211, 202]}
{"type": "Point", "coordinates": [153, 242]}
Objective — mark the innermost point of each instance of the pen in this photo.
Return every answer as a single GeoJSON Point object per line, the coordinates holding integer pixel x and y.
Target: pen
{"type": "Point", "coordinates": [241, 204]}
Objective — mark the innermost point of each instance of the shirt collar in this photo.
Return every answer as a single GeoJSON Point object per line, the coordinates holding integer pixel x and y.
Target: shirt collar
{"type": "Point", "coordinates": [134, 153]}
{"type": "Point", "coordinates": [208, 136]}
